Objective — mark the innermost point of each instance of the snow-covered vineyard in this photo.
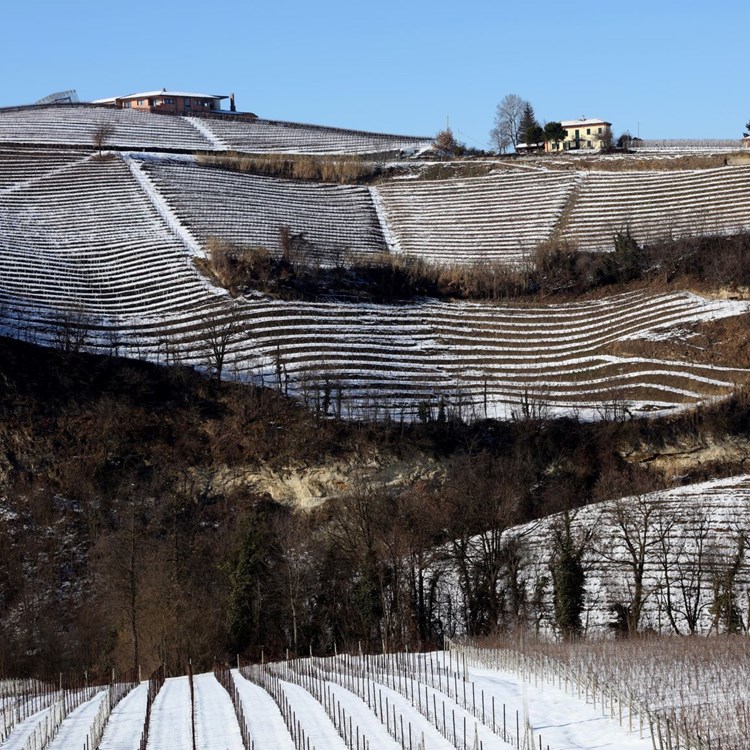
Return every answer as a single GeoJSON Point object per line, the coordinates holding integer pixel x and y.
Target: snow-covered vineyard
{"type": "Point", "coordinates": [439, 700]}
{"type": "Point", "coordinates": [686, 146]}
{"type": "Point", "coordinates": [74, 125]}
{"type": "Point", "coordinates": [502, 217]}
{"type": "Point", "coordinates": [507, 216]}
{"type": "Point", "coordinates": [99, 254]}
{"type": "Point", "coordinates": [339, 220]}
{"type": "Point", "coordinates": [677, 556]}
{"type": "Point", "coordinates": [655, 205]}
{"type": "Point", "coordinates": [270, 136]}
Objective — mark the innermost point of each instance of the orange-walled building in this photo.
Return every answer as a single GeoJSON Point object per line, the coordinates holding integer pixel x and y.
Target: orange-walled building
{"type": "Point", "coordinates": [173, 102]}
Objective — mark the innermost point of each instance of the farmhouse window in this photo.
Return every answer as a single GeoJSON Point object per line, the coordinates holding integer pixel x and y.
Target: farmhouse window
{"type": "Point", "coordinates": [600, 130]}
{"type": "Point", "coordinates": [140, 102]}
{"type": "Point", "coordinates": [588, 131]}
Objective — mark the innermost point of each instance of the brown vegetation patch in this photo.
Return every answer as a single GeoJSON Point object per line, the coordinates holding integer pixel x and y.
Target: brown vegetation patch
{"type": "Point", "coordinates": [634, 163]}
{"type": "Point", "coordinates": [724, 342]}
{"type": "Point", "coordinates": [339, 169]}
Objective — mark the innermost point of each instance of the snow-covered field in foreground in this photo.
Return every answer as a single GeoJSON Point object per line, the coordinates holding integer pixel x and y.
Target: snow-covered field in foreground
{"type": "Point", "coordinates": [398, 701]}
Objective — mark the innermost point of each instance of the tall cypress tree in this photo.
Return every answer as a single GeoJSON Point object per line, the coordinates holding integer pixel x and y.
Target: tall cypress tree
{"type": "Point", "coordinates": [530, 129]}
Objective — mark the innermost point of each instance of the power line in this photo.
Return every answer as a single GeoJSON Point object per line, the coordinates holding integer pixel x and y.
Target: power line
{"type": "Point", "coordinates": [479, 143]}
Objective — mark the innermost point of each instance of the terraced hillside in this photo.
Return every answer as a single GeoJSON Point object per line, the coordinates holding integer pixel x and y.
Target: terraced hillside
{"type": "Point", "coordinates": [658, 205]}
{"type": "Point", "coordinates": [500, 217]}
{"type": "Point", "coordinates": [21, 166]}
{"type": "Point", "coordinates": [339, 220]}
{"type": "Point", "coordinates": [688, 540]}
{"type": "Point", "coordinates": [506, 216]}
{"type": "Point", "coordinates": [74, 125]}
{"type": "Point", "coordinates": [268, 136]}
{"type": "Point", "coordinates": [91, 252]}
{"type": "Point", "coordinates": [87, 239]}
{"type": "Point", "coordinates": [99, 252]}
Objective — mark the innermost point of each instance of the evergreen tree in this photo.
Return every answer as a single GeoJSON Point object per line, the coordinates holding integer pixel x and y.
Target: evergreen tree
{"type": "Point", "coordinates": [568, 577]}
{"type": "Point", "coordinates": [249, 575]}
{"type": "Point", "coordinates": [529, 128]}
{"type": "Point", "coordinates": [554, 131]}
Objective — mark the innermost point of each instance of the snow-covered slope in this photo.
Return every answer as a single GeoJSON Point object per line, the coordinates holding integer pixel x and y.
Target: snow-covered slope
{"type": "Point", "coordinates": [339, 220]}
{"type": "Point", "coordinates": [75, 125]}
{"type": "Point", "coordinates": [686, 539]}
{"type": "Point", "coordinates": [88, 249]}
{"type": "Point", "coordinates": [267, 136]}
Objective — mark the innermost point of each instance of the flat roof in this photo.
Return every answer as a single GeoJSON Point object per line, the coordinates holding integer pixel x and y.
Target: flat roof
{"type": "Point", "coordinates": [163, 92]}
{"type": "Point", "coordinates": [583, 122]}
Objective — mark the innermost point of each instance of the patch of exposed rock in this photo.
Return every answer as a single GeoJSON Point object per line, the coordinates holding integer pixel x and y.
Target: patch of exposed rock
{"type": "Point", "coordinates": [307, 486]}
{"type": "Point", "coordinates": [688, 457]}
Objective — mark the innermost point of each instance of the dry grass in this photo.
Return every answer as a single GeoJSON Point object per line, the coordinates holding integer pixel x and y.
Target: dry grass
{"type": "Point", "coordinates": [341, 169]}
{"type": "Point", "coordinates": [631, 162]}
{"type": "Point", "coordinates": [724, 342]}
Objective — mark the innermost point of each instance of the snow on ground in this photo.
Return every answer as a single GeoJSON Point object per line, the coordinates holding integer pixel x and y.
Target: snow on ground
{"type": "Point", "coordinates": [262, 715]}
{"type": "Point", "coordinates": [368, 723]}
{"type": "Point", "coordinates": [564, 722]}
{"type": "Point", "coordinates": [432, 738]}
{"type": "Point", "coordinates": [22, 731]}
{"type": "Point", "coordinates": [463, 719]}
{"type": "Point", "coordinates": [216, 726]}
{"type": "Point", "coordinates": [74, 730]}
{"type": "Point", "coordinates": [313, 719]}
{"type": "Point", "coordinates": [125, 725]}
{"type": "Point", "coordinates": [170, 717]}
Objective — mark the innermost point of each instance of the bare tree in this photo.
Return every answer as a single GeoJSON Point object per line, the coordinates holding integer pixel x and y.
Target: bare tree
{"type": "Point", "coordinates": [296, 574]}
{"type": "Point", "coordinates": [101, 134]}
{"type": "Point", "coordinates": [684, 567]}
{"type": "Point", "coordinates": [71, 331]}
{"type": "Point", "coordinates": [635, 522]}
{"type": "Point", "coordinates": [507, 130]}
{"type": "Point", "coordinates": [219, 331]}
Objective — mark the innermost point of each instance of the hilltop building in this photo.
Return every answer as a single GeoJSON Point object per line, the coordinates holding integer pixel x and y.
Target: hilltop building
{"type": "Point", "coordinates": [584, 134]}
{"type": "Point", "coordinates": [171, 102]}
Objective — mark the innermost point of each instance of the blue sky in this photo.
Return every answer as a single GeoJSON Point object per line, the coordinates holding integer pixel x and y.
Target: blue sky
{"type": "Point", "coordinates": [666, 69]}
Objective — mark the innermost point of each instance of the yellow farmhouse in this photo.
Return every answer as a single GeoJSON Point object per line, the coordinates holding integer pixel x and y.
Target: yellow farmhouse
{"type": "Point", "coordinates": [585, 134]}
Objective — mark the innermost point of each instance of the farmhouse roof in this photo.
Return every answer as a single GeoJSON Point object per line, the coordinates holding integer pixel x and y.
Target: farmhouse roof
{"type": "Point", "coordinates": [583, 122]}
{"type": "Point", "coordinates": [163, 92]}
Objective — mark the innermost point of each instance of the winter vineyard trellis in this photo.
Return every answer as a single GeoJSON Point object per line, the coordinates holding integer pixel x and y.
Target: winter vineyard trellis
{"type": "Point", "coordinates": [111, 269]}
{"type": "Point", "coordinates": [412, 701]}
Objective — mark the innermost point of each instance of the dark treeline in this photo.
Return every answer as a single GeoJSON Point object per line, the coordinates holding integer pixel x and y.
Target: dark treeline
{"type": "Point", "coordinates": [120, 545]}
{"type": "Point", "coordinates": [554, 269]}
